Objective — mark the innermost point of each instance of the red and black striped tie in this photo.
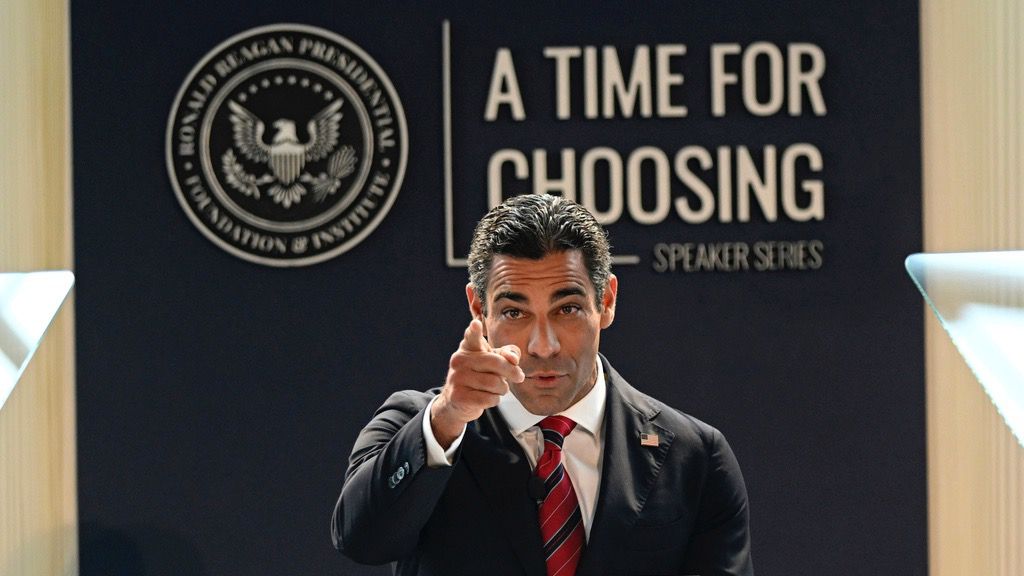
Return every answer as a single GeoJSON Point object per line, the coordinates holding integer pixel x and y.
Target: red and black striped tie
{"type": "Point", "coordinates": [561, 523]}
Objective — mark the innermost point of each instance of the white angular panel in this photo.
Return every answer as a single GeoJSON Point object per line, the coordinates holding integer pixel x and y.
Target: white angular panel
{"type": "Point", "coordinates": [979, 298]}
{"type": "Point", "coordinates": [28, 303]}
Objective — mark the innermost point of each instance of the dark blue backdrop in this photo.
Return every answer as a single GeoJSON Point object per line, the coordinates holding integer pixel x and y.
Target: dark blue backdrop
{"type": "Point", "coordinates": [218, 399]}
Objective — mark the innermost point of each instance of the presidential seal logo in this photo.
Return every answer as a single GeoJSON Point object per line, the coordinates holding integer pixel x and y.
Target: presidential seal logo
{"type": "Point", "coordinates": [286, 145]}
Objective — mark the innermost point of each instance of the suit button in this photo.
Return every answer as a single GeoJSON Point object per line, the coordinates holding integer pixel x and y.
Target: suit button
{"type": "Point", "coordinates": [400, 473]}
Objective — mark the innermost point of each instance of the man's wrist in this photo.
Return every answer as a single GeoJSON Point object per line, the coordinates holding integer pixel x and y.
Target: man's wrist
{"type": "Point", "coordinates": [445, 428]}
{"type": "Point", "coordinates": [438, 456]}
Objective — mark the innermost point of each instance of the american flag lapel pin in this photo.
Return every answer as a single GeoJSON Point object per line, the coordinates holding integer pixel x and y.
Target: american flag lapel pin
{"type": "Point", "coordinates": [649, 440]}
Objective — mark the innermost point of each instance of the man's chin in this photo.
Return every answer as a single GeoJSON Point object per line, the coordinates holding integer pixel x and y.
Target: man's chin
{"type": "Point", "coordinates": [542, 405]}
{"type": "Point", "coordinates": [547, 398]}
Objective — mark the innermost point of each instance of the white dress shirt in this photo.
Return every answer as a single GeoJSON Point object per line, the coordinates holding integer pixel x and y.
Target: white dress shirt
{"type": "Point", "coordinates": [581, 453]}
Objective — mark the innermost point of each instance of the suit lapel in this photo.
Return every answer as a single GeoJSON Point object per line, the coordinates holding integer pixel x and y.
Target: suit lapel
{"type": "Point", "coordinates": [628, 472]}
{"type": "Point", "coordinates": [502, 472]}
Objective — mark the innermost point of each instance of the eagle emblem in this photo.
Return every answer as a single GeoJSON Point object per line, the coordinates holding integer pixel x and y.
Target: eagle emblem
{"type": "Point", "coordinates": [286, 156]}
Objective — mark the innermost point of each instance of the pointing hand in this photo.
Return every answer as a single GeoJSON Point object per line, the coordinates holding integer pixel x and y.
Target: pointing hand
{"type": "Point", "coordinates": [478, 376]}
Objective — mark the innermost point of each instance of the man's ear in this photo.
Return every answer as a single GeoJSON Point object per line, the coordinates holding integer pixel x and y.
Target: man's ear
{"type": "Point", "coordinates": [611, 291]}
{"type": "Point", "coordinates": [476, 308]}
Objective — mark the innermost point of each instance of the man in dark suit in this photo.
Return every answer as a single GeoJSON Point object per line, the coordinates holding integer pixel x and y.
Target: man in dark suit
{"type": "Point", "coordinates": [574, 471]}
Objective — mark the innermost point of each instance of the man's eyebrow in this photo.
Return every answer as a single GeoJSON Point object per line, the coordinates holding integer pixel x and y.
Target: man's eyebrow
{"type": "Point", "coordinates": [510, 295]}
{"type": "Point", "coordinates": [566, 292]}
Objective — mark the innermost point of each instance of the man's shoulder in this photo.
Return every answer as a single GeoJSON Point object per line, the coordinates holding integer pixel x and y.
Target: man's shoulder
{"type": "Point", "coordinates": [411, 401]}
{"type": "Point", "coordinates": [683, 425]}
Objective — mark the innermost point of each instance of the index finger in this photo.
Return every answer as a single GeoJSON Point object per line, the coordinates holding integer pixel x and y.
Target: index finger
{"type": "Point", "coordinates": [473, 340]}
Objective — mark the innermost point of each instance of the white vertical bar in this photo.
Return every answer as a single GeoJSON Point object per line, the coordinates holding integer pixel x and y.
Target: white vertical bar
{"type": "Point", "coordinates": [449, 213]}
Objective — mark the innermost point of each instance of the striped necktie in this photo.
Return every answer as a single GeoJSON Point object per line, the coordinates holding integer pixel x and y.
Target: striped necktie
{"type": "Point", "coordinates": [561, 524]}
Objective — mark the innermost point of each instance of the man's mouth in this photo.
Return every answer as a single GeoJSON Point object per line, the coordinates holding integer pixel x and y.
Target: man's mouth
{"type": "Point", "coordinates": [544, 378]}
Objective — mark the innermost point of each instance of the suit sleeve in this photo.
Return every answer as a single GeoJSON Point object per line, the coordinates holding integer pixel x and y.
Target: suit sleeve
{"type": "Point", "coordinates": [389, 492]}
{"type": "Point", "coordinates": [720, 544]}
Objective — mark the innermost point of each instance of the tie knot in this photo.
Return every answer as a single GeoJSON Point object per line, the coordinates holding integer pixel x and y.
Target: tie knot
{"type": "Point", "coordinates": [556, 428]}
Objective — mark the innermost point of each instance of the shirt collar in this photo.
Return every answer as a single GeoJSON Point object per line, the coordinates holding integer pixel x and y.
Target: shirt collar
{"type": "Point", "coordinates": [588, 413]}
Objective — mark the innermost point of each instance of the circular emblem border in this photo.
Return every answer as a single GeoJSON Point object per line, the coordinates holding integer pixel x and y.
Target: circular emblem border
{"type": "Point", "coordinates": [394, 187]}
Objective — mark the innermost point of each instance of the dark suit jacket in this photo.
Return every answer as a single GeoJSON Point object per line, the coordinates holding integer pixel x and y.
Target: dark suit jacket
{"type": "Point", "coordinates": [678, 508]}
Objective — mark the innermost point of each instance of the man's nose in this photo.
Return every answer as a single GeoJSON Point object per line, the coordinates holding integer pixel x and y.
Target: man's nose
{"type": "Point", "coordinates": [543, 340]}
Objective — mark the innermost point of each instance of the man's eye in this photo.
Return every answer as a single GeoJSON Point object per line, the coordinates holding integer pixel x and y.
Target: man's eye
{"type": "Point", "coordinates": [512, 314]}
{"type": "Point", "coordinates": [569, 309]}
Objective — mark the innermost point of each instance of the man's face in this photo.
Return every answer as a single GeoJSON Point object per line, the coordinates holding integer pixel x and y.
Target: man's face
{"type": "Point", "coordinates": [547, 308]}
